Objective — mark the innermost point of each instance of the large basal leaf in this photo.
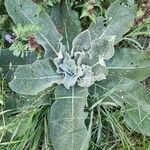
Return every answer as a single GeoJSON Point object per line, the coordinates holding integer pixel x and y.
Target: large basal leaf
{"type": "Point", "coordinates": [133, 97]}
{"type": "Point", "coordinates": [66, 21]}
{"type": "Point", "coordinates": [117, 21]}
{"type": "Point", "coordinates": [8, 62]}
{"type": "Point", "coordinates": [34, 78]}
{"type": "Point", "coordinates": [27, 12]}
{"type": "Point", "coordinates": [67, 116]}
{"type": "Point", "coordinates": [130, 63]}
{"type": "Point", "coordinates": [6, 57]}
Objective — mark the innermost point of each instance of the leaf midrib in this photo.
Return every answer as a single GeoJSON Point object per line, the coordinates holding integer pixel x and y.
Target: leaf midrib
{"type": "Point", "coordinates": [39, 32]}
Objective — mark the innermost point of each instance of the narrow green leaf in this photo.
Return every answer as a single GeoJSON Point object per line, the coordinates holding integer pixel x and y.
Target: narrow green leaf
{"type": "Point", "coordinates": [34, 78]}
{"type": "Point", "coordinates": [27, 12]}
{"type": "Point", "coordinates": [67, 127]}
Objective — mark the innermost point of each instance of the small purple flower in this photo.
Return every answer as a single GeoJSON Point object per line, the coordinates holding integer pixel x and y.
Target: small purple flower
{"type": "Point", "coordinates": [9, 38]}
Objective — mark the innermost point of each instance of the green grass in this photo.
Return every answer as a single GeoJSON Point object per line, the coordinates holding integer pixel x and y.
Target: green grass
{"type": "Point", "coordinates": [24, 123]}
{"type": "Point", "coordinates": [23, 120]}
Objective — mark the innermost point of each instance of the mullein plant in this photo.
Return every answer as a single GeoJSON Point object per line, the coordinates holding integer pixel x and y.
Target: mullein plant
{"type": "Point", "coordinates": [82, 64]}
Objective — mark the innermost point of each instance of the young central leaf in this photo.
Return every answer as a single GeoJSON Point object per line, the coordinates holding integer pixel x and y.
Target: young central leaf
{"type": "Point", "coordinates": [86, 63]}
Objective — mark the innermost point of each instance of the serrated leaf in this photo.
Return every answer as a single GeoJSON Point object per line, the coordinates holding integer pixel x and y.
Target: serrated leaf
{"type": "Point", "coordinates": [133, 97]}
{"type": "Point", "coordinates": [119, 16]}
{"type": "Point", "coordinates": [26, 12]}
{"type": "Point", "coordinates": [34, 78]}
{"type": "Point", "coordinates": [67, 127]}
{"type": "Point", "coordinates": [130, 63]}
{"type": "Point", "coordinates": [66, 21]}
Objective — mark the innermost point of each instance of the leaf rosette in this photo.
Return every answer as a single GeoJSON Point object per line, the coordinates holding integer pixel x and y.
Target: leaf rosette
{"type": "Point", "coordinates": [86, 62]}
{"type": "Point", "coordinates": [84, 65]}
{"type": "Point", "coordinates": [76, 61]}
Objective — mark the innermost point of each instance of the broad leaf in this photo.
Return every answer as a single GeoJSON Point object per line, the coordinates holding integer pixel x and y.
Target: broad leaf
{"type": "Point", "coordinates": [118, 19]}
{"type": "Point", "coordinates": [130, 63]}
{"type": "Point", "coordinates": [66, 21]}
{"type": "Point", "coordinates": [6, 57]}
{"type": "Point", "coordinates": [8, 62]}
{"type": "Point", "coordinates": [133, 97]}
{"type": "Point", "coordinates": [95, 68]}
{"type": "Point", "coordinates": [67, 127]}
{"type": "Point", "coordinates": [27, 12]}
{"type": "Point", "coordinates": [34, 78]}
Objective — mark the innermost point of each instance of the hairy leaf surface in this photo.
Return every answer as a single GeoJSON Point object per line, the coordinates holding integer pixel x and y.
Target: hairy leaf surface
{"type": "Point", "coordinates": [81, 42]}
{"type": "Point", "coordinates": [34, 78]}
{"type": "Point", "coordinates": [130, 63]}
{"type": "Point", "coordinates": [67, 127]}
{"type": "Point", "coordinates": [27, 12]}
{"type": "Point", "coordinates": [117, 21]}
{"type": "Point", "coordinates": [133, 97]}
{"type": "Point", "coordinates": [66, 21]}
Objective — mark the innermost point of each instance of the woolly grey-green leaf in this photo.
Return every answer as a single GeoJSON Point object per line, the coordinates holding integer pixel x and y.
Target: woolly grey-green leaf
{"type": "Point", "coordinates": [67, 126]}
{"type": "Point", "coordinates": [96, 71]}
{"type": "Point", "coordinates": [132, 96]}
{"type": "Point", "coordinates": [26, 12]}
{"type": "Point", "coordinates": [34, 78]}
{"type": "Point", "coordinates": [86, 64]}
{"type": "Point", "coordinates": [130, 63]}
{"type": "Point", "coordinates": [117, 21]}
{"type": "Point", "coordinates": [8, 62]}
{"type": "Point", "coordinates": [67, 67]}
{"type": "Point", "coordinates": [101, 49]}
{"type": "Point", "coordinates": [66, 21]}
{"type": "Point", "coordinates": [81, 42]}
{"type": "Point", "coordinates": [88, 77]}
